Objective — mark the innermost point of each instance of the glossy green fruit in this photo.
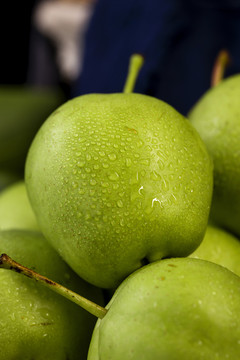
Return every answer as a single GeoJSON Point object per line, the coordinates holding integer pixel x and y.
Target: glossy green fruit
{"type": "Point", "coordinates": [221, 248]}
{"type": "Point", "coordinates": [216, 116]}
{"type": "Point", "coordinates": [35, 322]}
{"type": "Point", "coordinates": [172, 309]}
{"type": "Point", "coordinates": [116, 180]}
{"type": "Point", "coordinates": [15, 208]}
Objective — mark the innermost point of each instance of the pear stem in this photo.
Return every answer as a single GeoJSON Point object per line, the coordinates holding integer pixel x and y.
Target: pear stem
{"type": "Point", "coordinates": [7, 263]}
{"type": "Point", "coordinates": [135, 65]}
{"type": "Point", "coordinates": [222, 61]}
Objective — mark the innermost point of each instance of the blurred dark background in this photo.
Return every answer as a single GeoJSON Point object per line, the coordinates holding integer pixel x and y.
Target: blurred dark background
{"type": "Point", "coordinates": [53, 50]}
{"type": "Point", "coordinates": [15, 30]}
{"type": "Point", "coordinates": [179, 39]}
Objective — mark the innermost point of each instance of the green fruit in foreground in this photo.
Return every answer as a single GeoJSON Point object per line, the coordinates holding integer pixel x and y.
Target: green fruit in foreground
{"type": "Point", "coordinates": [172, 309]}
{"type": "Point", "coordinates": [35, 322]}
{"type": "Point", "coordinates": [15, 208]}
{"type": "Point", "coordinates": [221, 248]}
{"type": "Point", "coordinates": [117, 179]}
{"type": "Point", "coordinates": [216, 116]}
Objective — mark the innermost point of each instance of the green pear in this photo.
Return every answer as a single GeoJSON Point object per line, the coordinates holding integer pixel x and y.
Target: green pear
{"type": "Point", "coordinates": [220, 247]}
{"type": "Point", "coordinates": [35, 322]}
{"type": "Point", "coordinates": [217, 119]}
{"type": "Point", "coordinates": [15, 209]}
{"type": "Point", "coordinates": [119, 180]}
{"type": "Point", "coordinates": [179, 308]}
{"type": "Point", "coordinates": [172, 309]}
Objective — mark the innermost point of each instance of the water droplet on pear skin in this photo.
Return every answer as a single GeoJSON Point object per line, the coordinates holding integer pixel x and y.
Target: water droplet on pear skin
{"type": "Point", "coordinates": [128, 162]}
{"type": "Point", "coordinates": [93, 182]}
{"type": "Point", "coordinates": [154, 176]}
{"type": "Point", "coordinates": [74, 185]}
{"type": "Point", "coordinates": [104, 184]}
{"type": "Point", "coordinates": [112, 156]}
{"type": "Point", "coordinates": [81, 164]}
{"type": "Point", "coordinates": [120, 203]}
{"type": "Point", "coordinates": [145, 162]}
{"type": "Point", "coordinates": [114, 176]}
{"type": "Point", "coordinates": [105, 165]}
{"type": "Point", "coordinates": [141, 190]}
{"type": "Point", "coordinates": [134, 179]}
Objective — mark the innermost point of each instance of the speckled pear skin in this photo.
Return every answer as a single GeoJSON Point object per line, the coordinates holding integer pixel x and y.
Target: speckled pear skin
{"type": "Point", "coordinates": [216, 116]}
{"type": "Point", "coordinates": [37, 323]}
{"type": "Point", "coordinates": [118, 178]}
{"type": "Point", "coordinates": [220, 247]}
{"type": "Point", "coordinates": [172, 309]}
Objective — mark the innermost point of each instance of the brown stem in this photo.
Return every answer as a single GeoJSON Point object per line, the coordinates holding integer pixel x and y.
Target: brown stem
{"type": "Point", "coordinates": [222, 61]}
{"type": "Point", "coordinates": [7, 263]}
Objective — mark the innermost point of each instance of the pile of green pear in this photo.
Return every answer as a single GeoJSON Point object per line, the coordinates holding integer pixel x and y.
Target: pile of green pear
{"type": "Point", "coordinates": [126, 227]}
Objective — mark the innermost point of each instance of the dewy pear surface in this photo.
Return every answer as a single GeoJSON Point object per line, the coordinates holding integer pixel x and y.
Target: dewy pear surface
{"type": "Point", "coordinates": [216, 116]}
{"type": "Point", "coordinates": [35, 322]}
{"type": "Point", "coordinates": [115, 179]}
{"type": "Point", "coordinates": [178, 309]}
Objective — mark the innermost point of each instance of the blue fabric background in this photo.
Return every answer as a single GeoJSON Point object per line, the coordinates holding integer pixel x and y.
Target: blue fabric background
{"type": "Point", "coordinates": [180, 40]}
